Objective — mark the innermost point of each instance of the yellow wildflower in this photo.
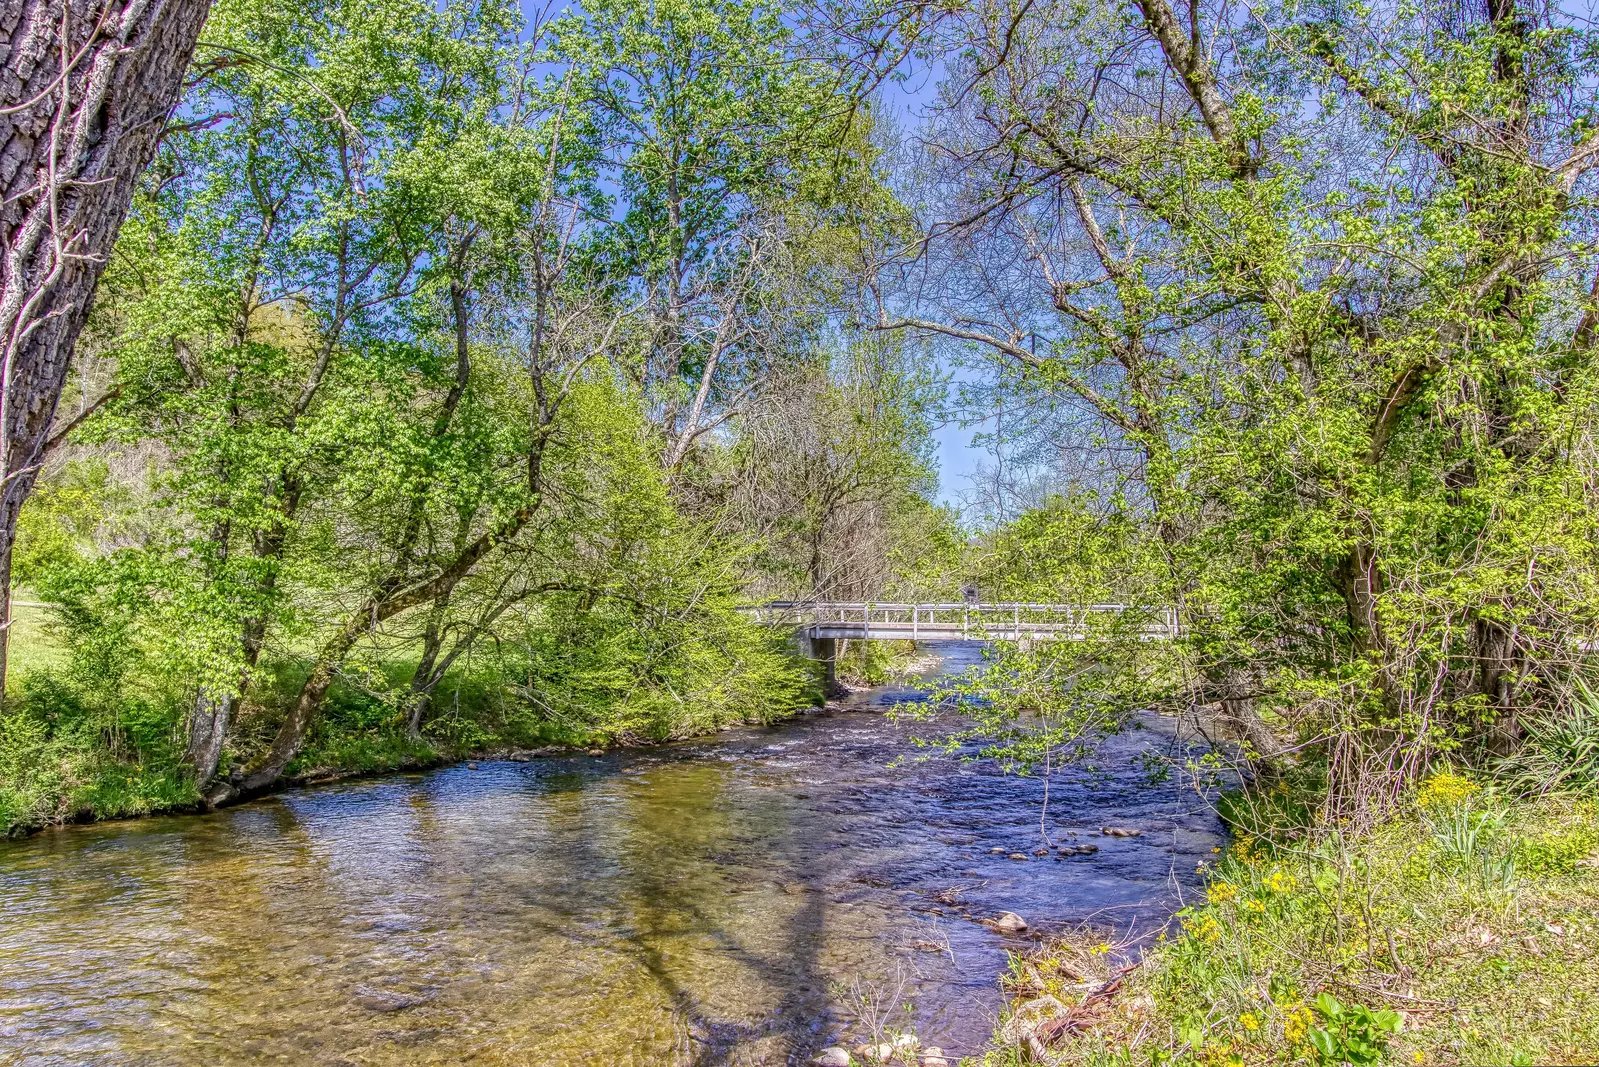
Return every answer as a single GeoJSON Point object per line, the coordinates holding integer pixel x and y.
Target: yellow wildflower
{"type": "Point", "coordinates": [1099, 949]}
{"type": "Point", "coordinates": [1281, 882]}
{"type": "Point", "coordinates": [1204, 929]}
{"type": "Point", "coordinates": [1258, 906]}
{"type": "Point", "coordinates": [1220, 892]}
{"type": "Point", "coordinates": [1297, 1025]}
{"type": "Point", "coordinates": [1248, 1021]}
{"type": "Point", "coordinates": [1417, 1056]}
{"type": "Point", "coordinates": [1220, 1056]}
{"type": "Point", "coordinates": [1444, 789]}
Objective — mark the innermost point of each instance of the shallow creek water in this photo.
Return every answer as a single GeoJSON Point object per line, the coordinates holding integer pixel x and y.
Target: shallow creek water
{"type": "Point", "coordinates": [722, 901]}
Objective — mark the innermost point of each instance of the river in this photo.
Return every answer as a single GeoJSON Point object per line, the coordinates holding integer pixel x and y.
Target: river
{"type": "Point", "coordinates": [741, 899]}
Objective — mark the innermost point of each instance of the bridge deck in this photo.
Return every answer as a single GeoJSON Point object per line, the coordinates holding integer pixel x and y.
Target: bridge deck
{"type": "Point", "coordinates": [965, 622]}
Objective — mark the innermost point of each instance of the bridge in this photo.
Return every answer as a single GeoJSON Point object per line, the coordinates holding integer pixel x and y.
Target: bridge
{"type": "Point", "coordinates": [820, 625]}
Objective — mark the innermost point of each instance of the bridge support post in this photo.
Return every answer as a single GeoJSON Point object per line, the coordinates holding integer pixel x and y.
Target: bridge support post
{"type": "Point", "coordinates": [825, 651]}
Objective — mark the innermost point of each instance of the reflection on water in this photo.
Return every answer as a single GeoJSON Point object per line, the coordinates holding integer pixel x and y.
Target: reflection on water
{"type": "Point", "coordinates": [716, 902]}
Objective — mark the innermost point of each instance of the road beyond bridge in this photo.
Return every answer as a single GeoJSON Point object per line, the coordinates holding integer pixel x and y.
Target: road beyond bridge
{"type": "Point", "coordinates": [819, 625]}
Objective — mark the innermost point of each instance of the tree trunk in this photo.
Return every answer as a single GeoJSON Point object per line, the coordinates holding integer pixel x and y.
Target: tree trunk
{"type": "Point", "coordinates": [5, 611]}
{"type": "Point", "coordinates": [426, 676]}
{"type": "Point", "coordinates": [85, 92]}
{"type": "Point", "coordinates": [212, 714]}
{"type": "Point", "coordinates": [291, 735]}
{"type": "Point", "coordinates": [208, 729]}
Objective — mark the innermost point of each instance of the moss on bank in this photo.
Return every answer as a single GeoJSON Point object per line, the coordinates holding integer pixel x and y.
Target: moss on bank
{"type": "Point", "coordinates": [1466, 932]}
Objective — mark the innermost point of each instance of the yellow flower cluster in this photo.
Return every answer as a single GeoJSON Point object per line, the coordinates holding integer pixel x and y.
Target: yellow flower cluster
{"type": "Point", "coordinates": [1249, 1021]}
{"type": "Point", "coordinates": [1297, 1024]}
{"type": "Point", "coordinates": [1220, 892]}
{"type": "Point", "coordinates": [1281, 882]}
{"type": "Point", "coordinates": [1204, 929]}
{"type": "Point", "coordinates": [1244, 850]}
{"type": "Point", "coordinates": [1445, 789]}
{"type": "Point", "coordinates": [1099, 950]}
{"type": "Point", "coordinates": [1220, 1056]}
{"type": "Point", "coordinates": [1257, 906]}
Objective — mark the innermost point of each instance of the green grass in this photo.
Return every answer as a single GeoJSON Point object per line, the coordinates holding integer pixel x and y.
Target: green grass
{"type": "Point", "coordinates": [32, 646]}
{"type": "Point", "coordinates": [1466, 932]}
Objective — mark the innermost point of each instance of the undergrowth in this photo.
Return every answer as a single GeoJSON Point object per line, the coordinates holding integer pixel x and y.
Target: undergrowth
{"type": "Point", "coordinates": [75, 749]}
{"type": "Point", "coordinates": [1464, 932]}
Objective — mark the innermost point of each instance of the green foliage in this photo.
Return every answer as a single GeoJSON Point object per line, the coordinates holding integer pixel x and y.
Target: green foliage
{"type": "Point", "coordinates": [1556, 853]}
{"type": "Point", "coordinates": [383, 333]}
{"type": "Point", "coordinates": [1560, 750]}
{"type": "Point", "coordinates": [1461, 831]}
{"type": "Point", "coordinates": [1286, 958]}
{"type": "Point", "coordinates": [1351, 1033]}
{"type": "Point", "coordinates": [1319, 341]}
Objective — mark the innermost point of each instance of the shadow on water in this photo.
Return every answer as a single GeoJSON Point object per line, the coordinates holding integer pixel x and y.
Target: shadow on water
{"type": "Point", "coordinates": [728, 901]}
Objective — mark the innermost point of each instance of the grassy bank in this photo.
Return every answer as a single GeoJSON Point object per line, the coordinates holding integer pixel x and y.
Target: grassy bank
{"type": "Point", "coordinates": [1464, 932]}
{"type": "Point", "coordinates": [79, 742]}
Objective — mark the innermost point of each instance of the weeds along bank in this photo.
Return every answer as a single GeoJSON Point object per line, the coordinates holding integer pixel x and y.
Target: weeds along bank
{"type": "Point", "coordinates": [1463, 931]}
{"type": "Point", "coordinates": [91, 739]}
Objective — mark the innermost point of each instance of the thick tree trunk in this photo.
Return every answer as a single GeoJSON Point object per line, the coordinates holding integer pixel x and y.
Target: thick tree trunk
{"type": "Point", "coordinates": [208, 729]}
{"type": "Point", "coordinates": [85, 92]}
{"type": "Point", "coordinates": [5, 611]}
{"type": "Point", "coordinates": [1499, 667]}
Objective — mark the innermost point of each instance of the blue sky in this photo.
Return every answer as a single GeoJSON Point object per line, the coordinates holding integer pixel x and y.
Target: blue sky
{"type": "Point", "coordinates": [905, 102]}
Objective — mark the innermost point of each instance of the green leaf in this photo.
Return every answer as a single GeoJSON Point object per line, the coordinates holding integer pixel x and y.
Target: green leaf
{"type": "Point", "coordinates": [1325, 1043]}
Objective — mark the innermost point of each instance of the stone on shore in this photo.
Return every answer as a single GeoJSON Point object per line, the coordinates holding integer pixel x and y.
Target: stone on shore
{"type": "Point", "coordinates": [1010, 923]}
{"type": "Point", "coordinates": [831, 1057]}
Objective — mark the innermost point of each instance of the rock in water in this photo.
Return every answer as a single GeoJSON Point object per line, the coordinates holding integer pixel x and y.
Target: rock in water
{"type": "Point", "coordinates": [1118, 831]}
{"type": "Point", "coordinates": [831, 1057]}
{"type": "Point", "coordinates": [1010, 923]}
{"type": "Point", "coordinates": [1018, 855]}
{"type": "Point", "coordinates": [996, 852]}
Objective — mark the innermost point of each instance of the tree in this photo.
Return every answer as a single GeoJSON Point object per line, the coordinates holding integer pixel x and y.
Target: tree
{"type": "Point", "coordinates": [724, 146]}
{"type": "Point", "coordinates": [85, 96]}
{"type": "Point", "coordinates": [835, 471]}
{"type": "Point", "coordinates": [1324, 273]}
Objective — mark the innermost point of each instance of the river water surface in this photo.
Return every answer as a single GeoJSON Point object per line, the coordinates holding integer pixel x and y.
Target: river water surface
{"type": "Point", "coordinates": [736, 900]}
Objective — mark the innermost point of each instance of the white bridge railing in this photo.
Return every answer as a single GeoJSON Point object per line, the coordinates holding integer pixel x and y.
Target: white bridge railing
{"type": "Point", "coordinates": [964, 621]}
